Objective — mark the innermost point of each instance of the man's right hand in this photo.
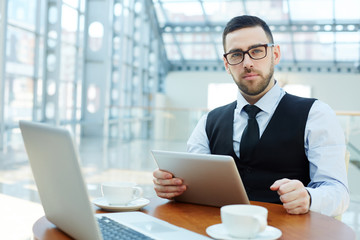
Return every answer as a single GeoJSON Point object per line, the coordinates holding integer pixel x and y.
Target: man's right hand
{"type": "Point", "coordinates": [166, 186]}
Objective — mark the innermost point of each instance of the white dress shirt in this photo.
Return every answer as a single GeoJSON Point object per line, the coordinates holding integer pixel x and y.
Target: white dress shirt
{"type": "Point", "coordinates": [324, 147]}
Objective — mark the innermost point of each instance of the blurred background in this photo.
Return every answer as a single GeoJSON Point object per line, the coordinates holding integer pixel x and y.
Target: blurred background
{"type": "Point", "coordinates": [128, 76]}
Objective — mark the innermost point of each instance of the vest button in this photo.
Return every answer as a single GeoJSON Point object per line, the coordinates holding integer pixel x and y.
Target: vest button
{"type": "Point", "coordinates": [248, 169]}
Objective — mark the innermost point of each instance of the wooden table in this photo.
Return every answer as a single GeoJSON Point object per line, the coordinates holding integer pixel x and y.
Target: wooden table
{"type": "Point", "coordinates": [197, 218]}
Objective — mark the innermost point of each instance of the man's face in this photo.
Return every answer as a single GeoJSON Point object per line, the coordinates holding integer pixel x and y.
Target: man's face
{"type": "Point", "coordinates": [253, 77]}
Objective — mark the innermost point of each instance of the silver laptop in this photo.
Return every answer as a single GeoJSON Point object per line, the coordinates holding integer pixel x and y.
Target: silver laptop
{"type": "Point", "coordinates": [211, 179]}
{"type": "Point", "coordinates": [54, 161]}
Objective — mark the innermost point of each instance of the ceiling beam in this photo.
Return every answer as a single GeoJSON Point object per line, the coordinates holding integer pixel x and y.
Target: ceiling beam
{"type": "Point", "coordinates": [218, 27]}
{"type": "Point", "coordinates": [284, 66]}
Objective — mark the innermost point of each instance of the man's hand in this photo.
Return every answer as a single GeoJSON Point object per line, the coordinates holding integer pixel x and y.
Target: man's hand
{"type": "Point", "coordinates": [166, 186]}
{"type": "Point", "coordinates": [293, 195]}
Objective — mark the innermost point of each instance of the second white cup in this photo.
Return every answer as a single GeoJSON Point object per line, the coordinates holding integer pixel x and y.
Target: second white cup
{"type": "Point", "coordinates": [121, 193]}
{"type": "Point", "coordinates": [244, 220]}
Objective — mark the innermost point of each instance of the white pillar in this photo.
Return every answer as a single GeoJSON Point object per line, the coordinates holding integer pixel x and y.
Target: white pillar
{"type": "Point", "coordinates": [98, 30]}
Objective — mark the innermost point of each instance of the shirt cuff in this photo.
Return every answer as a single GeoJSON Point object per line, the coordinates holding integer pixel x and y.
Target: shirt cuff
{"type": "Point", "coordinates": [314, 205]}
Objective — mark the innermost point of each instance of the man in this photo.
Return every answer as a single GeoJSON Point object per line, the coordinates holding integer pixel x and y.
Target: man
{"type": "Point", "coordinates": [298, 160]}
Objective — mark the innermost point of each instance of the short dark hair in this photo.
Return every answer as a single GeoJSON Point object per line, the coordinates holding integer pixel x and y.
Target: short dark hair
{"type": "Point", "coordinates": [245, 21]}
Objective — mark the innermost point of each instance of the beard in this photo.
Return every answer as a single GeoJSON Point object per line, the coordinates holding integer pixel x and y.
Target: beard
{"type": "Point", "coordinates": [260, 87]}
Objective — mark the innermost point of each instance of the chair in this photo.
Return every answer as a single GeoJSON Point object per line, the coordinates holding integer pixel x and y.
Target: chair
{"type": "Point", "coordinates": [347, 160]}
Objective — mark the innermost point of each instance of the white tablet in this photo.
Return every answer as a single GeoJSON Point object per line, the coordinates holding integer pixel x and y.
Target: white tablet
{"type": "Point", "coordinates": [210, 179]}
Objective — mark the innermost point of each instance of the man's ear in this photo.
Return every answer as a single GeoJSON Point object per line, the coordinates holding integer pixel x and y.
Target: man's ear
{"type": "Point", "coordinates": [277, 54]}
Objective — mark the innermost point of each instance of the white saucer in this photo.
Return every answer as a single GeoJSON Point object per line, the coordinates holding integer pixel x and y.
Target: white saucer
{"type": "Point", "coordinates": [131, 206]}
{"type": "Point", "coordinates": [218, 231]}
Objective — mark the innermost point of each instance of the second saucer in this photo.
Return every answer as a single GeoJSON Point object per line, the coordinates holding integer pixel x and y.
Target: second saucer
{"type": "Point", "coordinates": [131, 206]}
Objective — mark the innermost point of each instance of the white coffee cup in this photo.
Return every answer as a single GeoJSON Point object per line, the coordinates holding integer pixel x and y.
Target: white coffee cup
{"type": "Point", "coordinates": [121, 193]}
{"type": "Point", "coordinates": [244, 220]}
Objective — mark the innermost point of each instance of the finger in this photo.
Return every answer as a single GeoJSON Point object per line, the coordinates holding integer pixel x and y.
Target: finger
{"type": "Point", "coordinates": [170, 195]}
{"type": "Point", "coordinates": [297, 204]}
{"type": "Point", "coordinates": [169, 189]}
{"type": "Point", "coordinates": [290, 186]}
{"type": "Point", "coordinates": [168, 182]}
{"type": "Point", "coordinates": [162, 174]}
{"type": "Point", "coordinates": [300, 204]}
{"type": "Point", "coordinates": [287, 197]}
{"type": "Point", "coordinates": [297, 210]}
{"type": "Point", "coordinates": [275, 186]}
{"type": "Point", "coordinates": [296, 194]}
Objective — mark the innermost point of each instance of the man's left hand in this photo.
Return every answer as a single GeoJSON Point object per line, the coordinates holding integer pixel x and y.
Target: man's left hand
{"type": "Point", "coordinates": [293, 195]}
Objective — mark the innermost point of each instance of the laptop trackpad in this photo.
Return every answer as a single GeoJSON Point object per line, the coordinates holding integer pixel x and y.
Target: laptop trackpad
{"type": "Point", "coordinates": [153, 227]}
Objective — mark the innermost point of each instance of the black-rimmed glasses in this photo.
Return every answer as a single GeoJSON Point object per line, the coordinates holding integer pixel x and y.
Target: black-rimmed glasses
{"type": "Point", "coordinates": [256, 53]}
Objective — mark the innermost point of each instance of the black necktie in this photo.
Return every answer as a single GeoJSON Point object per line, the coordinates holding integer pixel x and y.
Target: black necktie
{"type": "Point", "coordinates": [250, 136]}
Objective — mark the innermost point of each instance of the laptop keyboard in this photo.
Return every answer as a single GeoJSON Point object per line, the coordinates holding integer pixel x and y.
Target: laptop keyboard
{"type": "Point", "coordinates": [111, 229]}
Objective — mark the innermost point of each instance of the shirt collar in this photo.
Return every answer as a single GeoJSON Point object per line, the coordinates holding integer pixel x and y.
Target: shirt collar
{"type": "Point", "coordinates": [268, 102]}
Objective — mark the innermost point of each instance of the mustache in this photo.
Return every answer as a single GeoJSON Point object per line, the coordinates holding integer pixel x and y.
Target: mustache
{"type": "Point", "coordinates": [248, 70]}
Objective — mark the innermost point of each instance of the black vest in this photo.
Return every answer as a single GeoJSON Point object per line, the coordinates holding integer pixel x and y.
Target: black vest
{"type": "Point", "coordinates": [279, 154]}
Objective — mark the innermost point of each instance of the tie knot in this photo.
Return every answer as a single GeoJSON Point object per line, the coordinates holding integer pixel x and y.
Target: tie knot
{"type": "Point", "coordinates": [252, 110]}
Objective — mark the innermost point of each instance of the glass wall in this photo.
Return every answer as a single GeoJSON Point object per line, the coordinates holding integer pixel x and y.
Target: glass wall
{"type": "Point", "coordinates": [46, 60]}
{"type": "Point", "coordinates": [325, 35]}
{"type": "Point", "coordinates": [24, 39]}
{"type": "Point", "coordinates": [138, 69]}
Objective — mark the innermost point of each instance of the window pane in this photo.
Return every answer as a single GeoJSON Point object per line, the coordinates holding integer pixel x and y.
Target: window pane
{"type": "Point", "coordinates": [311, 10]}
{"type": "Point", "coordinates": [349, 12]}
{"type": "Point", "coordinates": [78, 101]}
{"type": "Point", "coordinates": [22, 12]}
{"type": "Point", "coordinates": [193, 37]}
{"type": "Point", "coordinates": [20, 52]}
{"type": "Point", "coordinates": [349, 37]}
{"type": "Point", "coordinates": [220, 50]}
{"type": "Point", "coordinates": [66, 104]}
{"type": "Point", "coordinates": [199, 51]}
{"type": "Point", "coordinates": [217, 37]}
{"type": "Point", "coordinates": [347, 52]}
{"type": "Point", "coordinates": [172, 52]}
{"type": "Point", "coordinates": [282, 37]}
{"type": "Point", "coordinates": [68, 63]}
{"type": "Point", "coordinates": [80, 65]}
{"type": "Point", "coordinates": [128, 24]}
{"type": "Point", "coordinates": [287, 53]}
{"type": "Point", "coordinates": [179, 12]}
{"type": "Point", "coordinates": [168, 38]}
{"type": "Point", "coordinates": [40, 54]}
{"type": "Point", "coordinates": [314, 46]}
{"type": "Point", "coordinates": [223, 11]}
{"type": "Point", "coordinates": [273, 10]}
{"type": "Point", "coordinates": [39, 99]}
{"type": "Point", "coordinates": [314, 37]}
{"type": "Point", "coordinates": [73, 3]}
{"type": "Point", "coordinates": [314, 52]}
{"type": "Point", "coordinates": [82, 5]}
{"type": "Point", "coordinates": [18, 99]}
{"type": "Point", "coordinates": [81, 29]}
{"type": "Point", "coordinates": [69, 24]}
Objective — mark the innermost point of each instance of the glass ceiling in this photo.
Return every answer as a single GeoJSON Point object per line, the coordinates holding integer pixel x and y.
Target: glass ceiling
{"type": "Point", "coordinates": [311, 34]}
